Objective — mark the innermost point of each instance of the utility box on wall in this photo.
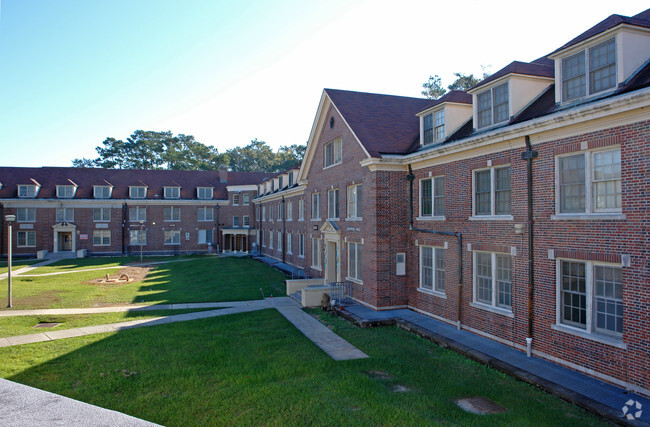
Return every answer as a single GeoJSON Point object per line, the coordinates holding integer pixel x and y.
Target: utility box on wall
{"type": "Point", "coordinates": [400, 264]}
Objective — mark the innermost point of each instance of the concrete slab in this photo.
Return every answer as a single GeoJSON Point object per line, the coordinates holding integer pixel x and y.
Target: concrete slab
{"type": "Point", "coordinates": [28, 339]}
{"type": "Point", "coordinates": [65, 333]}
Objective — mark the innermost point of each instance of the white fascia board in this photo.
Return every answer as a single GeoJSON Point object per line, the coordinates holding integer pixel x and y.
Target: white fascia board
{"type": "Point", "coordinates": [104, 203]}
{"type": "Point", "coordinates": [236, 188]}
{"type": "Point", "coordinates": [295, 191]}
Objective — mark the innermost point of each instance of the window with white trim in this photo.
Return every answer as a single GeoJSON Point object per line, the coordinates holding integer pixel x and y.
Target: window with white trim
{"type": "Point", "coordinates": [26, 239]}
{"type": "Point", "coordinates": [235, 221]}
{"type": "Point", "coordinates": [26, 214]}
{"type": "Point", "coordinates": [172, 237]}
{"type": "Point", "coordinates": [137, 237]}
{"type": "Point", "coordinates": [263, 213]}
{"type": "Point", "coordinates": [101, 237]}
{"type": "Point", "coordinates": [599, 60]}
{"type": "Point", "coordinates": [493, 279]}
{"type": "Point", "coordinates": [289, 211]}
{"type": "Point", "coordinates": [315, 253]}
{"type": "Point", "coordinates": [315, 206]}
{"type": "Point", "coordinates": [427, 128]}
{"type": "Point", "coordinates": [355, 196]}
{"type": "Point", "coordinates": [301, 210]}
{"type": "Point", "coordinates": [333, 153]}
{"type": "Point", "coordinates": [279, 241]}
{"type": "Point", "coordinates": [137, 214]}
{"type": "Point", "coordinates": [204, 237]}
{"type": "Point", "coordinates": [101, 214]}
{"type": "Point", "coordinates": [246, 221]}
{"type": "Point", "coordinates": [589, 182]}
{"type": "Point", "coordinates": [246, 199]}
{"type": "Point", "coordinates": [205, 213]}
{"type": "Point", "coordinates": [204, 193]}
{"type": "Point", "coordinates": [432, 197]}
{"type": "Point", "coordinates": [65, 191]}
{"type": "Point", "coordinates": [270, 239]}
{"type": "Point", "coordinates": [290, 243]}
{"type": "Point", "coordinates": [137, 192]}
{"type": "Point", "coordinates": [172, 213]}
{"type": "Point", "coordinates": [355, 261]}
{"type": "Point", "coordinates": [432, 269]}
{"type": "Point", "coordinates": [27, 191]}
{"type": "Point", "coordinates": [492, 191]}
{"type": "Point", "coordinates": [280, 211]}
{"type": "Point", "coordinates": [590, 297]}
{"type": "Point", "coordinates": [271, 213]}
{"type": "Point", "coordinates": [301, 245]}
{"type": "Point", "coordinates": [263, 233]}
{"type": "Point", "coordinates": [102, 191]}
{"type": "Point", "coordinates": [492, 106]}
{"type": "Point", "coordinates": [235, 199]}
{"type": "Point", "coordinates": [434, 127]}
{"type": "Point", "coordinates": [333, 204]}
{"type": "Point", "coordinates": [64, 214]}
{"type": "Point", "coordinates": [172, 192]}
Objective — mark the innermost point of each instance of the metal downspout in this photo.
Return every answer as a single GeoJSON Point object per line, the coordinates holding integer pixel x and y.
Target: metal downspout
{"type": "Point", "coordinates": [284, 230]}
{"type": "Point", "coordinates": [124, 209]}
{"type": "Point", "coordinates": [529, 155]}
{"type": "Point", "coordinates": [217, 230]}
{"type": "Point", "coordinates": [459, 236]}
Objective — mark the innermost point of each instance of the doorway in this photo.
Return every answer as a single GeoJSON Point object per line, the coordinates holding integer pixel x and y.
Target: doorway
{"type": "Point", "coordinates": [331, 262]}
{"type": "Point", "coordinates": [65, 241]}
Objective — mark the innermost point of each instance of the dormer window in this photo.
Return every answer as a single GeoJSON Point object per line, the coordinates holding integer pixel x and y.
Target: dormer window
{"type": "Point", "coordinates": [492, 106]}
{"type": "Point", "coordinates": [172, 192]}
{"type": "Point", "coordinates": [290, 179]}
{"type": "Point", "coordinates": [600, 60]}
{"type": "Point", "coordinates": [65, 191]}
{"type": "Point", "coordinates": [204, 193]}
{"type": "Point", "coordinates": [434, 127]}
{"type": "Point", "coordinates": [27, 191]}
{"type": "Point", "coordinates": [280, 186]}
{"type": "Point", "coordinates": [333, 153]}
{"type": "Point", "coordinates": [137, 192]}
{"type": "Point", "coordinates": [102, 191]}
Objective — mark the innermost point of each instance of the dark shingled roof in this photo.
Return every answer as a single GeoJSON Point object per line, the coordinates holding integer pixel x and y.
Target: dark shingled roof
{"type": "Point", "coordinates": [640, 20]}
{"type": "Point", "coordinates": [457, 96]}
{"type": "Point", "coordinates": [384, 124]}
{"type": "Point", "coordinates": [538, 68]}
{"type": "Point", "coordinates": [121, 179]}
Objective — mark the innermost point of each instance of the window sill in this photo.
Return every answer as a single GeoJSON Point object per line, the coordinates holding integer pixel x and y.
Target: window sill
{"type": "Point", "coordinates": [432, 292]}
{"type": "Point", "coordinates": [172, 220]}
{"type": "Point", "coordinates": [172, 244]}
{"type": "Point", "coordinates": [204, 220]}
{"type": "Point", "coordinates": [301, 256]}
{"type": "Point", "coordinates": [332, 165]}
{"type": "Point", "coordinates": [301, 219]}
{"type": "Point", "coordinates": [431, 218]}
{"type": "Point", "coordinates": [491, 218]}
{"type": "Point", "coordinates": [333, 219]}
{"type": "Point", "coordinates": [316, 268]}
{"type": "Point", "coordinates": [353, 280]}
{"type": "Point", "coordinates": [356, 218]}
{"type": "Point", "coordinates": [496, 310]}
{"type": "Point", "coordinates": [593, 216]}
{"type": "Point", "coordinates": [618, 343]}
{"type": "Point", "coordinates": [26, 246]}
{"type": "Point", "coordinates": [315, 219]}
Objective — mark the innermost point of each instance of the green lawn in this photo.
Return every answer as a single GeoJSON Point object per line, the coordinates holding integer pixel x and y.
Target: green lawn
{"type": "Point", "coordinates": [198, 279]}
{"type": "Point", "coordinates": [16, 264]}
{"type": "Point", "coordinates": [256, 369]}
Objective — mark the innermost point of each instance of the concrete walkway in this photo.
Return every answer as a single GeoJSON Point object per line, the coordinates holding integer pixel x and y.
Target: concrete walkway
{"type": "Point", "coordinates": [22, 270]}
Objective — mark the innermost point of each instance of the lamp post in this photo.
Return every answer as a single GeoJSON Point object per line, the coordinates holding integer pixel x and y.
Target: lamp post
{"type": "Point", "coordinates": [10, 219]}
{"type": "Point", "coordinates": [141, 229]}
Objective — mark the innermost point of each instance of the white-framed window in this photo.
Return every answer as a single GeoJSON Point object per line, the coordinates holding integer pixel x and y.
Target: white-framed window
{"type": "Point", "coordinates": [290, 243]}
{"type": "Point", "coordinates": [101, 237]}
{"type": "Point", "coordinates": [263, 213]}
{"type": "Point", "coordinates": [246, 221]}
{"type": "Point", "coordinates": [204, 193]}
{"type": "Point", "coordinates": [263, 233]}
{"type": "Point", "coordinates": [493, 279]}
{"type": "Point", "coordinates": [172, 192]}
{"type": "Point", "coordinates": [172, 237]}
{"type": "Point", "coordinates": [280, 183]}
{"type": "Point", "coordinates": [65, 214]}
{"type": "Point", "coordinates": [280, 211]}
{"type": "Point", "coordinates": [205, 213]}
{"type": "Point", "coordinates": [301, 245]}
{"type": "Point", "coordinates": [589, 71]}
{"type": "Point", "coordinates": [26, 214]}
{"type": "Point", "coordinates": [589, 182]}
{"type": "Point", "coordinates": [102, 191]}
{"type": "Point", "coordinates": [492, 106]}
{"type": "Point", "coordinates": [137, 192]}
{"type": "Point", "coordinates": [427, 128]}
{"type": "Point", "coordinates": [270, 239]}
{"type": "Point", "coordinates": [235, 199]}
{"type": "Point", "coordinates": [432, 269]}
{"type": "Point", "coordinates": [439, 128]}
{"type": "Point", "coordinates": [315, 253]}
{"type": "Point", "coordinates": [355, 197]}
{"type": "Point", "coordinates": [271, 209]}
{"type": "Point", "coordinates": [26, 239]}
{"type": "Point", "coordinates": [290, 179]}
{"type": "Point", "coordinates": [246, 198]}
{"type": "Point", "coordinates": [101, 214]}
{"type": "Point", "coordinates": [333, 153]}
{"type": "Point", "coordinates": [333, 204]}
{"type": "Point", "coordinates": [65, 191]}
{"type": "Point", "coordinates": [315, 206]}
{"type": "Point", "coordinates": [432, 197]}
{"type": "Point", "coordinates": [137, 214]}
{"type": "Point", "coordinates": [137, 237]}
{"type": "Point", "coordinates": [27, 191]}
{"type": "Point", "coordinates": [204, 237]}
{"type": "Point", "coordinates": [279, 241]}
{"type": "Point", "coordinates": [492, 191]}
{"type": "Point", "coordinates": [301, 210]}
{"type": "Point", "coordinates": [289, 211]}
{"type": "Point", "coordinates": [235, 221]}
{"type": "Point", "coordinates": [355, 261]}
{"type": "Point", "coordinates": [172, 213]}
{"type": "Point", "coordinates": [590, 297]}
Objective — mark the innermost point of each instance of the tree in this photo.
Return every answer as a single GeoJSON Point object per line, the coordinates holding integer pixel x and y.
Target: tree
{"type": "Point", "coordinates": [464, 82]}
{"type": "Point", "coordinates": [255, 157]}
{"type": "Point", "coordinates": [433, 88]}
{"type": "Point", "coordinates": [289, 157]}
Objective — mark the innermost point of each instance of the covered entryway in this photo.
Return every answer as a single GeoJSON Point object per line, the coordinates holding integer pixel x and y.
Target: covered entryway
{"type": "Point", "coordinates": [332, 259]}
{"type": "Point", "coordinates": [65, 241]}
{"type": "Point", "coordinates": [237, 239]}
{"type": "Point", "coordinates": [64, 238]}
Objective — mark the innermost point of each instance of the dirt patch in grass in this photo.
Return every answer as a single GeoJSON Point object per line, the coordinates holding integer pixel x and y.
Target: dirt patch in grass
{"type": "Point", "coordinates": [43, 299]}
{"type": "Point", "coordinates": [134, 274]}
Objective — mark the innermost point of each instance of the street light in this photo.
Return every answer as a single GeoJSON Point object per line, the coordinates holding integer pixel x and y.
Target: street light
{"type": "Point", "coordinates": [141, 228]}
{"type": "Point", "coordinates": [10, 219]}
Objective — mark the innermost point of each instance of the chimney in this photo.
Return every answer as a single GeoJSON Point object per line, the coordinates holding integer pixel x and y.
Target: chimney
{"type": "Point", "coordinates": [223, 174]}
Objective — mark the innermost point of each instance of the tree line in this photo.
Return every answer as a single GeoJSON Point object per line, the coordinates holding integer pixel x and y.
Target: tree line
{"type": "Point", "coordinates": [164, 150]}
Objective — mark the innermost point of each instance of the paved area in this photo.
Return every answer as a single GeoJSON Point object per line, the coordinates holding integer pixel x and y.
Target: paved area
{"type": "Point", "coordinates": [27, 406]}
{"type": "Point", "coordinates": [605, 399]}
{"type": "Point", "coordinates": [21, 270]}
{"type": "Point", "coordinates": [116, 309]}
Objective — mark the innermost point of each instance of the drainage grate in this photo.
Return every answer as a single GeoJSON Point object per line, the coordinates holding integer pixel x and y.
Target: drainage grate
{"type": "Point", "coordinates": [46, 325]}
{"type": "Point", "coordinates": [481, 406]}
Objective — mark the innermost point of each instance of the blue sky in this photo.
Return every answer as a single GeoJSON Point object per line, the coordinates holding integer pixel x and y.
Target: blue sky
{"type": "Point", "coordinates": [74, 72]}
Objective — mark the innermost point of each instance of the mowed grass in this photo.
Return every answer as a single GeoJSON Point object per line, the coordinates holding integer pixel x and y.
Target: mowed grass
{"type": "Point", "coordinates": [256, 369]}
{"type": "Point", "coordinates": [16, 264]}
{"type": "Point", "coordinates": [198, 279]}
